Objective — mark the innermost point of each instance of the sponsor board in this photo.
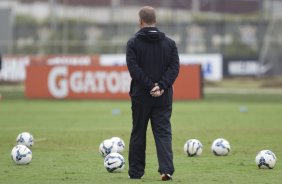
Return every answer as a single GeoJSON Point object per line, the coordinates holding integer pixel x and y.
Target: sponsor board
{"type": "Point", "coordinates": [89, 82]}
{"type": "Point", "coordinates": [242, 67]}
{"type": "Point", "coordinates": [14, 68]}
{"type": "Point", "coordinates": [211, 63]}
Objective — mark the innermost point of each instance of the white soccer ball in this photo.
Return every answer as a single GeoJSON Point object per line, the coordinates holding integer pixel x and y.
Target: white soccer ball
{"type": "Point", "coordinates": [25, 138]}
{"type": "Point", "coordinates": [220, 147]}
{"type": "Point", "coordinates": [266, 159]}
{"type": "Point", "coordinates": [193, 147]}
{"type": "Point", "coordinates": [107, 147]}
{"type": "Point", "coordinates": [114, 162]}
{"type": "Point", "coordinates": [21, 154]}
{"type": "Point", "coordinates": [119, 143]}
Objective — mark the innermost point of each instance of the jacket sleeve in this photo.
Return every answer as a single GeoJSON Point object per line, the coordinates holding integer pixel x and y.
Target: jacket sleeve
{"type": "Point", "coordinates": [135, 71]}
{"type": "Point", "coordinates": [173, 69]}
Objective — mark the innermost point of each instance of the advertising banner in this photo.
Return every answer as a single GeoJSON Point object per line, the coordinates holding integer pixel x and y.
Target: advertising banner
{"type": "Point", "coordinates": [90, 82]}
{"type": "Point", "coordinates": [241, 67]}
{"type": "Point", "coordinates": [14, 68]}
{"type": "Point", "coordinates": [211, 63]}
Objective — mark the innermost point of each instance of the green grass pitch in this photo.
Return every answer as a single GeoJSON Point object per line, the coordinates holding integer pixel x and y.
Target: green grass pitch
{"type": "Point", "coordinates": [68, 134]}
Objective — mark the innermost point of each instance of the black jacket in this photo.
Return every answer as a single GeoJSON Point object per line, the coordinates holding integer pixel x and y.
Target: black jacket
{"type": "Point", "coordinates": [151, 58]}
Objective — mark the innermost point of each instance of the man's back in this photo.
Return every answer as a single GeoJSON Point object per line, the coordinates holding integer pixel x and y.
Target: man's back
{"type": "Point", "coordinates": [156, 55]}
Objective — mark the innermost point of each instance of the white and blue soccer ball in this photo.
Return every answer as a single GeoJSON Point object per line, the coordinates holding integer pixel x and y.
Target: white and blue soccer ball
{"type": "Point", "coordinates": [193, 147]}
{"type": "Point", "coordinates": [265, 159]}
{"type": "Point", "coordinates": [119, 144]}
{"type": "Point", "coordinates": [21, 155]}
{"type": "Point", "coordinates": [26, 139]}
{"type": "Point", "coordinates": [220, 147]}
{"type": "Point", "coordinates": [114, 162]}
{"type": "Point", "coordinates": [107, 147]}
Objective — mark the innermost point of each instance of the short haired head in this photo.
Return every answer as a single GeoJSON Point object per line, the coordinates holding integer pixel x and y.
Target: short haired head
{"type": "Point", "coordinates": [147, 15]}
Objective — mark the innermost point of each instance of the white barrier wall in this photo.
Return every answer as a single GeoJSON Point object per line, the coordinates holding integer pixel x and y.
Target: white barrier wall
{"type": "Point", "coordinates": [14, 68]}
{"type": "Point", "coordinates": [211, 63]}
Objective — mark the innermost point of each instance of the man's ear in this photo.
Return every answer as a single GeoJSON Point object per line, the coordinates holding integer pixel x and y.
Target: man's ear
{"type": "Point", "coordinates": [140, 22]}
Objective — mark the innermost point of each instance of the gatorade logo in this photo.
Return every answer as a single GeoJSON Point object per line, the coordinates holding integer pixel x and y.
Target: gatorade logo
{"type": "Point", "coordinates": [61, 82]}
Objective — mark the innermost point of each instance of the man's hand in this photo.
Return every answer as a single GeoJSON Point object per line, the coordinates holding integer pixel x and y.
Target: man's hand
{"type": "Point", "coordinates": [156, 92]}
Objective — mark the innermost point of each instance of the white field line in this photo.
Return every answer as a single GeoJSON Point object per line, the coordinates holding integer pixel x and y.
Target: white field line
{"type": "Point", "coordinates": [268, 91]}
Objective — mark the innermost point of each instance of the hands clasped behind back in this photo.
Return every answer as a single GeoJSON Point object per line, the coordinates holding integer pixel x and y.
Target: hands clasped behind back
{"type": "Point", "coordinates": [156, 91]}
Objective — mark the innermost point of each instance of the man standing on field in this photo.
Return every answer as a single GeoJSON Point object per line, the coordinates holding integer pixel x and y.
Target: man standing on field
{"type": "Point", "coordinates": [153, 63]}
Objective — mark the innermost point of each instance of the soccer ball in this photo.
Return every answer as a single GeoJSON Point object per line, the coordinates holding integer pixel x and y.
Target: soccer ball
{"type": "Point", "coordinates": [25, 138]}
{"type": "Point", "coordinates": [266, 159]}
{"type": "Point", "coordinates": [107, 147]}
{"type": "Point", "coordinates": [21, 154]}
{"type": "Point", "coordinates": [193, 147]}
{"type": "Point", "coordinates": [220, 147]}
{"type": "Point", "coordinates": [114, 162]}
{"type": "Point", "coordinates": [119, 143]}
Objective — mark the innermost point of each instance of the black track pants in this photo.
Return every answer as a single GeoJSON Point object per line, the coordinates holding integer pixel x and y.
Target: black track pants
{"type": "Point", "coordinates": [161, 127]}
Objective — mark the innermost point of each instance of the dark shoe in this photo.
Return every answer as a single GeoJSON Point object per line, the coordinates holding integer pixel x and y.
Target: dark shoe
{"type": "Point", "coordinates": [166, 177]}
{"type": "Point", "coordinates": [134, 178]}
